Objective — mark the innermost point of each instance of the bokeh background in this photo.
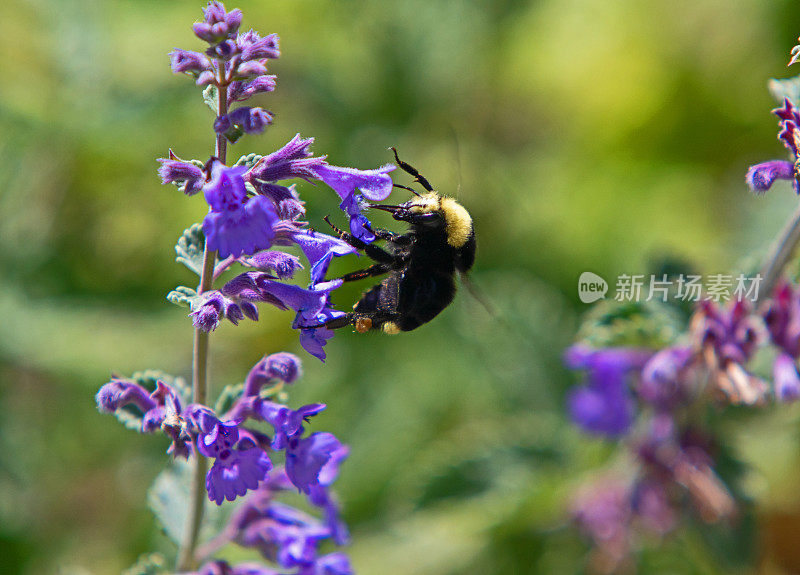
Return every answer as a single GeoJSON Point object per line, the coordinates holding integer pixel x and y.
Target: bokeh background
{"type": "Point", "coordinates": [581, 135]}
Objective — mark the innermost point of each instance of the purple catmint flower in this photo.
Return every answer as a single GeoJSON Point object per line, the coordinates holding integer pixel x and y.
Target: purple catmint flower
{"type": "Point", "coordinates": [604, 406]}
{"type": "Point", "coordinates": [663, 381]}
{"type": "Point", "coordinates": [782, 318]}
{"type": "Point", "coordinates": [786, 378]}
{"type": "Point", "coordinates": [306, 458]}
{"type": "Point", "coordinates": [374, 185]}
{"type": "Point", "coordinates": [760, 177]}
{"type": "Point", "coordinates": [189, 177]}
{"type": "Point", "coordinates": [602, 511]}
{"type": "Point", "coordinates": [652, 506]}
{"type": "Point", "coordinates": [213, 306]}
{"type": "Point", "coordinates": [119, 393]}
{"type": "Point", "coordinates": [188, 62]}
{"type": "Point", "coordinates": [319, 249]}
{"type": "Point", "coordinates": [314, 340]}
{"type": "Point", "coordinates": [293, 160]}
{"type": "Point", "coordinates": [282, 264]}
{"type": "Point", "coordinates": [288, 423]}
{"type": "Point", "coordinates": [727, 338]}
{"type": "Point", "coordinates": [282, 366]}
{"type": "Point", "coordinates": [236, 225]}
{"type": "Point", "coordinates": [241, 90]}
{"type": "Point", "coordinates": [219, 24]}
{"type": "Point", "coordinates": [253, 47]}
{"type": "Point", "coordinates": [331, 564]}
{"type": "Point", "coordinates": [239, 465]}
{"type": "Point", "coordinates": [248, 120]}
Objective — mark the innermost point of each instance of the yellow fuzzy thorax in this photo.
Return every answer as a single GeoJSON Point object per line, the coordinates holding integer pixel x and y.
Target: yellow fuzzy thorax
{"type": "Point", "coordinates": [458, 223]}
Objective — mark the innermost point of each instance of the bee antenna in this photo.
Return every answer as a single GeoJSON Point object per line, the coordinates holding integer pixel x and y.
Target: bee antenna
{"type": "Point", "coordinates": [412, 190]}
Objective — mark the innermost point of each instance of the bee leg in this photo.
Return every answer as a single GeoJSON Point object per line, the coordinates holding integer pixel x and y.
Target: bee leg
{"type": "Point", "coordinates": [413, 171]}
{"type": "Point", "coordinates": [371, 271]}
{"type": "Point", "coordinates": [391, 237]}
{"type": "Point", "coordinates": [370, 250]}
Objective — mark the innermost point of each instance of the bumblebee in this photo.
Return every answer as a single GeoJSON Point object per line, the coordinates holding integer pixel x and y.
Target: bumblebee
{"type": "Point", "coordinates": [420, 265]}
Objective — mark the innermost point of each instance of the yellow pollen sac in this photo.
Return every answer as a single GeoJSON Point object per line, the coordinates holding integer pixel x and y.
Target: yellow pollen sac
{"type": "Point", "coordinates": [391, 328]}
{"type": "Point", "coordinates": [363, 324]}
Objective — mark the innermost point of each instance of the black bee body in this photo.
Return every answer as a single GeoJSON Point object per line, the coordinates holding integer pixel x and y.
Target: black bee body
{"type": "Point", "coordinates": [421, 264]}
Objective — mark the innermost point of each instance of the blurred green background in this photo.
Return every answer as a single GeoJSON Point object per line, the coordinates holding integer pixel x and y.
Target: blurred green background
{"type": "Point", "coordinates": [584, 135]}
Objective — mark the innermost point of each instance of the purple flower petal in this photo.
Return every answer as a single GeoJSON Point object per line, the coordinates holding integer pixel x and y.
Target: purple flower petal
{"type": "Point", "coordinates": [241, 231]}
{"type": "Point", "coordinates": [760, 177]}
{"type": "Point", "coordinates": [306, 457]}
{"type": "Point", "coordinates": [787, 381]}
{"type": "Point", "coordinates": [375, 185]}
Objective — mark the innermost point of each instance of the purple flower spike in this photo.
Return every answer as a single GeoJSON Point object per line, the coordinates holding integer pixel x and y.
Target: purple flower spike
{"type": "Point", "coordinates": [235, 225]}
{"type": "Point", "coordinates": [235, 470]}
{"type": "Point", "coordinates": [375, 185]}
{"type": "Point", "coordinates": [761, 176]}
{"type": "Point", "coordinates": [218, 24]}
{"type": "Point", "coordinates": [305, 458]}
{"type": "Point", "coordinates": [787, 381]}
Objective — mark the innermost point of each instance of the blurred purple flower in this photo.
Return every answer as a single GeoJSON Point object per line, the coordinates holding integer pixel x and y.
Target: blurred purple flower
{"type": "Point", "coordinates": [604, 406]}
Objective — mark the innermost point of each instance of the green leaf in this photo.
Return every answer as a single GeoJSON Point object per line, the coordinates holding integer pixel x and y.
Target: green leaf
{"type": "Point", "coordinates": [148, 564]}
{"type": "Point", "coordinates": [234, 133]}
{"type": "Point", "coordinates": [249, 160]}
{"type": "Point", "coordinates": [190, 248]}
{"type": "Point", "coordinates": [183, 296]}
{"type": "Point", "coordinates": [169, 499]}
{"type": "Point", "coordinates": [638, 324]}
{"type": "Point", "coordinates": [210, 98]}
{"type": "Point", "coordinates": [230, 393]}
{"type": "Point", "coordinates": [789, 88]}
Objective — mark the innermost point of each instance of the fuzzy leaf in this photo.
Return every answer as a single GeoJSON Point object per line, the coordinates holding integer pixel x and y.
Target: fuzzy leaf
{"type": "Point", "coordinates": [249, 160]}
{"type": "Point", "coordinates": [168, 498]}
{"type": "Point", "coordinates": [789, 88]}
{"type": "Point", "coordinates": [183, 296]}
{"type": "Point", "coordinates": [210, 98]}
{"type": "Point", "coordinates": [148, 564]}
{"type": "Point", "coordinates": [638, 324]}
{"type": "Point", "coordinates": [230, 393]}
{"type": "Point", "coordinates": [190, 248]}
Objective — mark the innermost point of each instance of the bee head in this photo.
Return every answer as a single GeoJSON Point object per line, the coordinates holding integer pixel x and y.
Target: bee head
{"type": "Point", "coordinates": [434, 211]}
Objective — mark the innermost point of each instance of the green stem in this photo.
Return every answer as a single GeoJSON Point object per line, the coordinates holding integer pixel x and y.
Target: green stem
{"type": "Point", "coordinates": [200, 386]}
{"type": "Point", "coordinates": [780, 254]}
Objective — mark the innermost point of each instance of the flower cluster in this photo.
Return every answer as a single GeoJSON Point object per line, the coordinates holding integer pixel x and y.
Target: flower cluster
{"type": "Point", "coordinates": [251, 206]}
{"type": "Point", "coordinates": [242, 457]}
{"type": "Point", "coordinates": [652, 400]}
